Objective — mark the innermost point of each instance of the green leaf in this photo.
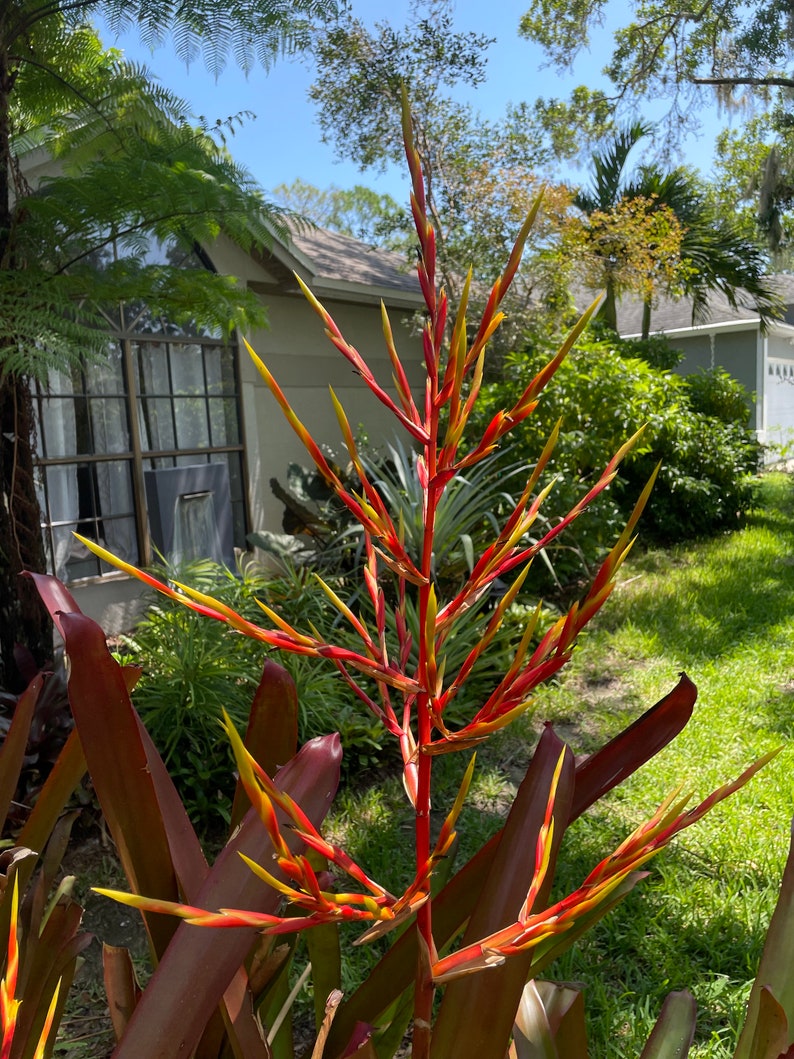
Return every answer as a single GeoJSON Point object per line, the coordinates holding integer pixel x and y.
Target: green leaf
{"type": "Point", "coordinates": [775, 974]}
{"type": "Point", "coordinates": [325, 955]}
{"type": "Point", "coordinates": [550, 1022]}
{"type": "Point", "coordinates": [672, 1036]}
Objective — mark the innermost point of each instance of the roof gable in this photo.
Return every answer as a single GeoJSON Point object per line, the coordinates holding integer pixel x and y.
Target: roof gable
{"type": "Point", "coordinates": [338, 266]}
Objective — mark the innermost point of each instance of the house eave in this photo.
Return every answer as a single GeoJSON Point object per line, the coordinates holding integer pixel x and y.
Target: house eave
{"type": "Point", "coordinates": [344, 291]}
{"type": "Point", "coordinates": [710, 329]}
{"type": "Point", "coordinates": [366, 294]}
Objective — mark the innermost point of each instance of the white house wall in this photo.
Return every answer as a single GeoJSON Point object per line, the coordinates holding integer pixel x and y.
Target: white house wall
{"type": "Point", "coordinates": [778, 396]}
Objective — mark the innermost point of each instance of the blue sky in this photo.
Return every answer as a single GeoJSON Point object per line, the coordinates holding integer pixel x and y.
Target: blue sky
{"type": "Point", "coordinates": [283, 142]}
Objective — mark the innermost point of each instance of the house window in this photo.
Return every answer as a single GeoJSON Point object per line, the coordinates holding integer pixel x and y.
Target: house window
{"type": "Point", "coordinates": [163, 396]}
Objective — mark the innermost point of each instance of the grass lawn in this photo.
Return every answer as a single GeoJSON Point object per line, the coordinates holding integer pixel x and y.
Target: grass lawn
{"type": "Point", "coordinates": [723, 611]}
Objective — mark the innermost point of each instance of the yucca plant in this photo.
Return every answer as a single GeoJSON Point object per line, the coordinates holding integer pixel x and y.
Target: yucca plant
{"type": "Point", "coordinates": [456, 973]}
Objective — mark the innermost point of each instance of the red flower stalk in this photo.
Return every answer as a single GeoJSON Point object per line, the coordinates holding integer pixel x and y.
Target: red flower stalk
{"type": "Point", "coordinates": [413, 696]}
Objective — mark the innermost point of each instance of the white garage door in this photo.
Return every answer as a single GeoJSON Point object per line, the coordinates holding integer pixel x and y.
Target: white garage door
{"type": "Point", "coordinates": [779, 402]}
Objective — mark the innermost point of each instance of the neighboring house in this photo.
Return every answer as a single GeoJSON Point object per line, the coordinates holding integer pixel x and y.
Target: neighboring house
{"type": "Point", "coordinates": [125, 447]}
{"type": "Point", "coordinates": [732, 339]}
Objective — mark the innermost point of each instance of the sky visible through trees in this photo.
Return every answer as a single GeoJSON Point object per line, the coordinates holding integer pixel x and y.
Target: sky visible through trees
{"type": "Point", "coordinates": [282, 143]}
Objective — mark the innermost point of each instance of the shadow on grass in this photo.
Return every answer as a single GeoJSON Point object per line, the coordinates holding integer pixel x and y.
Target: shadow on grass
{"type": "Point", "coordinates": [727, 594]}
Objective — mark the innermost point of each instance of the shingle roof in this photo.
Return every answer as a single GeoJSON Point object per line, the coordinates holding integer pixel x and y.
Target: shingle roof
{"type": "Point", "coordinates": [340, 257]}
{"type": "Point", "coordinates": [338, 266]}
{"type": "Point", "coordinates": [676, 314]}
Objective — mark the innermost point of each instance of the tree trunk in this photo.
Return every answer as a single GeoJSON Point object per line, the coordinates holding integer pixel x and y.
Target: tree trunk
{"type": "Point", "coordinates": [22, 617]}
{"type": "Point", "coordinates": [646, 319]}
{"type": "Point", "coordinates": [609, 309]}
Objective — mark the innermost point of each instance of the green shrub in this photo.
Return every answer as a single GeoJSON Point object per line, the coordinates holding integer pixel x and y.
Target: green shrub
{"type": "Point", "coordinates": [718, 395]}
{"type": "Point", "coordinates": [697, 426]}
{"type": "Point", "coordinates": [192, 670]}
{"type": "Point", "coordinates": [656, 351]}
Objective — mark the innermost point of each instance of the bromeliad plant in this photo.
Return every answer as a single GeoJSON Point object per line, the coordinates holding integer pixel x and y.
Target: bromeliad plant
{"type": "Point", "coordinates": [500, 900]}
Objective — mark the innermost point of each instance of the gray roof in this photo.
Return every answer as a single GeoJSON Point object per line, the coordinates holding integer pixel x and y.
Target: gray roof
{"type": "Point", "coordinates": [340, 257]}
{"type": "Point", "coordinates": [675, 314]}
{"type": "Point", "coordinates": [338, 266]}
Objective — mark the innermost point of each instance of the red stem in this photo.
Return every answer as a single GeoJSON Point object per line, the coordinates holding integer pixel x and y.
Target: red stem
{"type": "Point", "coordinates": [424, 990]}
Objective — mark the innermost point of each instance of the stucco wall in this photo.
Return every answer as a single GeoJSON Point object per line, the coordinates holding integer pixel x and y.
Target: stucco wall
{"type": "Point", "coordinates": [305, 363]}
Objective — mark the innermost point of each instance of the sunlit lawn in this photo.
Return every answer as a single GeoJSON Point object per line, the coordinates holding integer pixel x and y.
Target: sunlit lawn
{"type": "Point", "coordinates": [723, 611]}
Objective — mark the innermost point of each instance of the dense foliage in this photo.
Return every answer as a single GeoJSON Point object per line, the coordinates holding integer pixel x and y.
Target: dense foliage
{"type": "Point", "coordinates": [193, 670]}
{"type": "Point", "coordinates": [697, 426]}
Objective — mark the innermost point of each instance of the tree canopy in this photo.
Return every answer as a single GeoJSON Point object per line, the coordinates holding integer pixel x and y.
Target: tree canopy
{"type": "Point", "coordinates": [677, 49]}
{"type": "Point", "coordinates": [377, 219]}
{"type": "Point", "coordinates": [482, 176]}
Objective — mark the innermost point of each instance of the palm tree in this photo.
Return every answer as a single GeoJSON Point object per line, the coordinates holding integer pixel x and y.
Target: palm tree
{"type": "Point", "coordinates": [605, 192]}
{"type": "Point", "coordinates": [715, 253]}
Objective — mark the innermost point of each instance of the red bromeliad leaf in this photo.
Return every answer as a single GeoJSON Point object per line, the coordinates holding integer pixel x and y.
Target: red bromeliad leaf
{"type": "Point", "coordinates": [549, 1023]}
{"type": "Point", "coordinates": [67, 772]}
{"type": "Point", "coordinates": [121, 986]}
{"type": "Point", "coordinates": [272, 734]}
{"type": "Point", "coordinates": [183, 848]}
{"type": "Point", "coordinates": [12, 752]}
{"type": "Point", "coordinates": [117, 762]}
{"type": "Point", "coordinates": [55, 596]}
{"type": "Point", "coordinates": [495, 996]}
{"type": "Point", "coordinates": [635, 745]}
{"type": "Point", "coordinates": [50, 960]}
{"type": "Point", "coordinates": [199, 964]}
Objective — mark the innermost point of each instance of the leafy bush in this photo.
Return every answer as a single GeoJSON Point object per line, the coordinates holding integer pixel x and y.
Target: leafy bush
{"type": "Point", "coordinates": [193, 670]}
{"type": "Point", "coordinates": [718, 395]}
{"type": "Point", "coordinates": [655, 350]}
{"type": "Point", "coordinates": [697, 426]}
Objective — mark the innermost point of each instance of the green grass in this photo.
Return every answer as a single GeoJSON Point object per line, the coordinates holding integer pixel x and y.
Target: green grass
{"type": "Point", "coordinates": [723, 611]}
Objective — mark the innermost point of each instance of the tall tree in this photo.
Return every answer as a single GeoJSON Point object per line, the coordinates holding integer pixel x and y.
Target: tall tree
{"type": "Point", "coordinates": [377, 219]}
{"type": "Point", "coordinates": [130, 167]}
{"type": "Point", "coordinates": [482, 176]}
{"type": "Point", "coordinates": [689, 54]}
{"type": "Point", "coordinates": [657, 230]}
{"type": "Point", "coordinates": [677, 50]}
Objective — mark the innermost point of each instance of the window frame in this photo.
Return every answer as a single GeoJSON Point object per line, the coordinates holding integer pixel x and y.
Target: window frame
{"type": "Point", "coordinates": [136, 456]}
